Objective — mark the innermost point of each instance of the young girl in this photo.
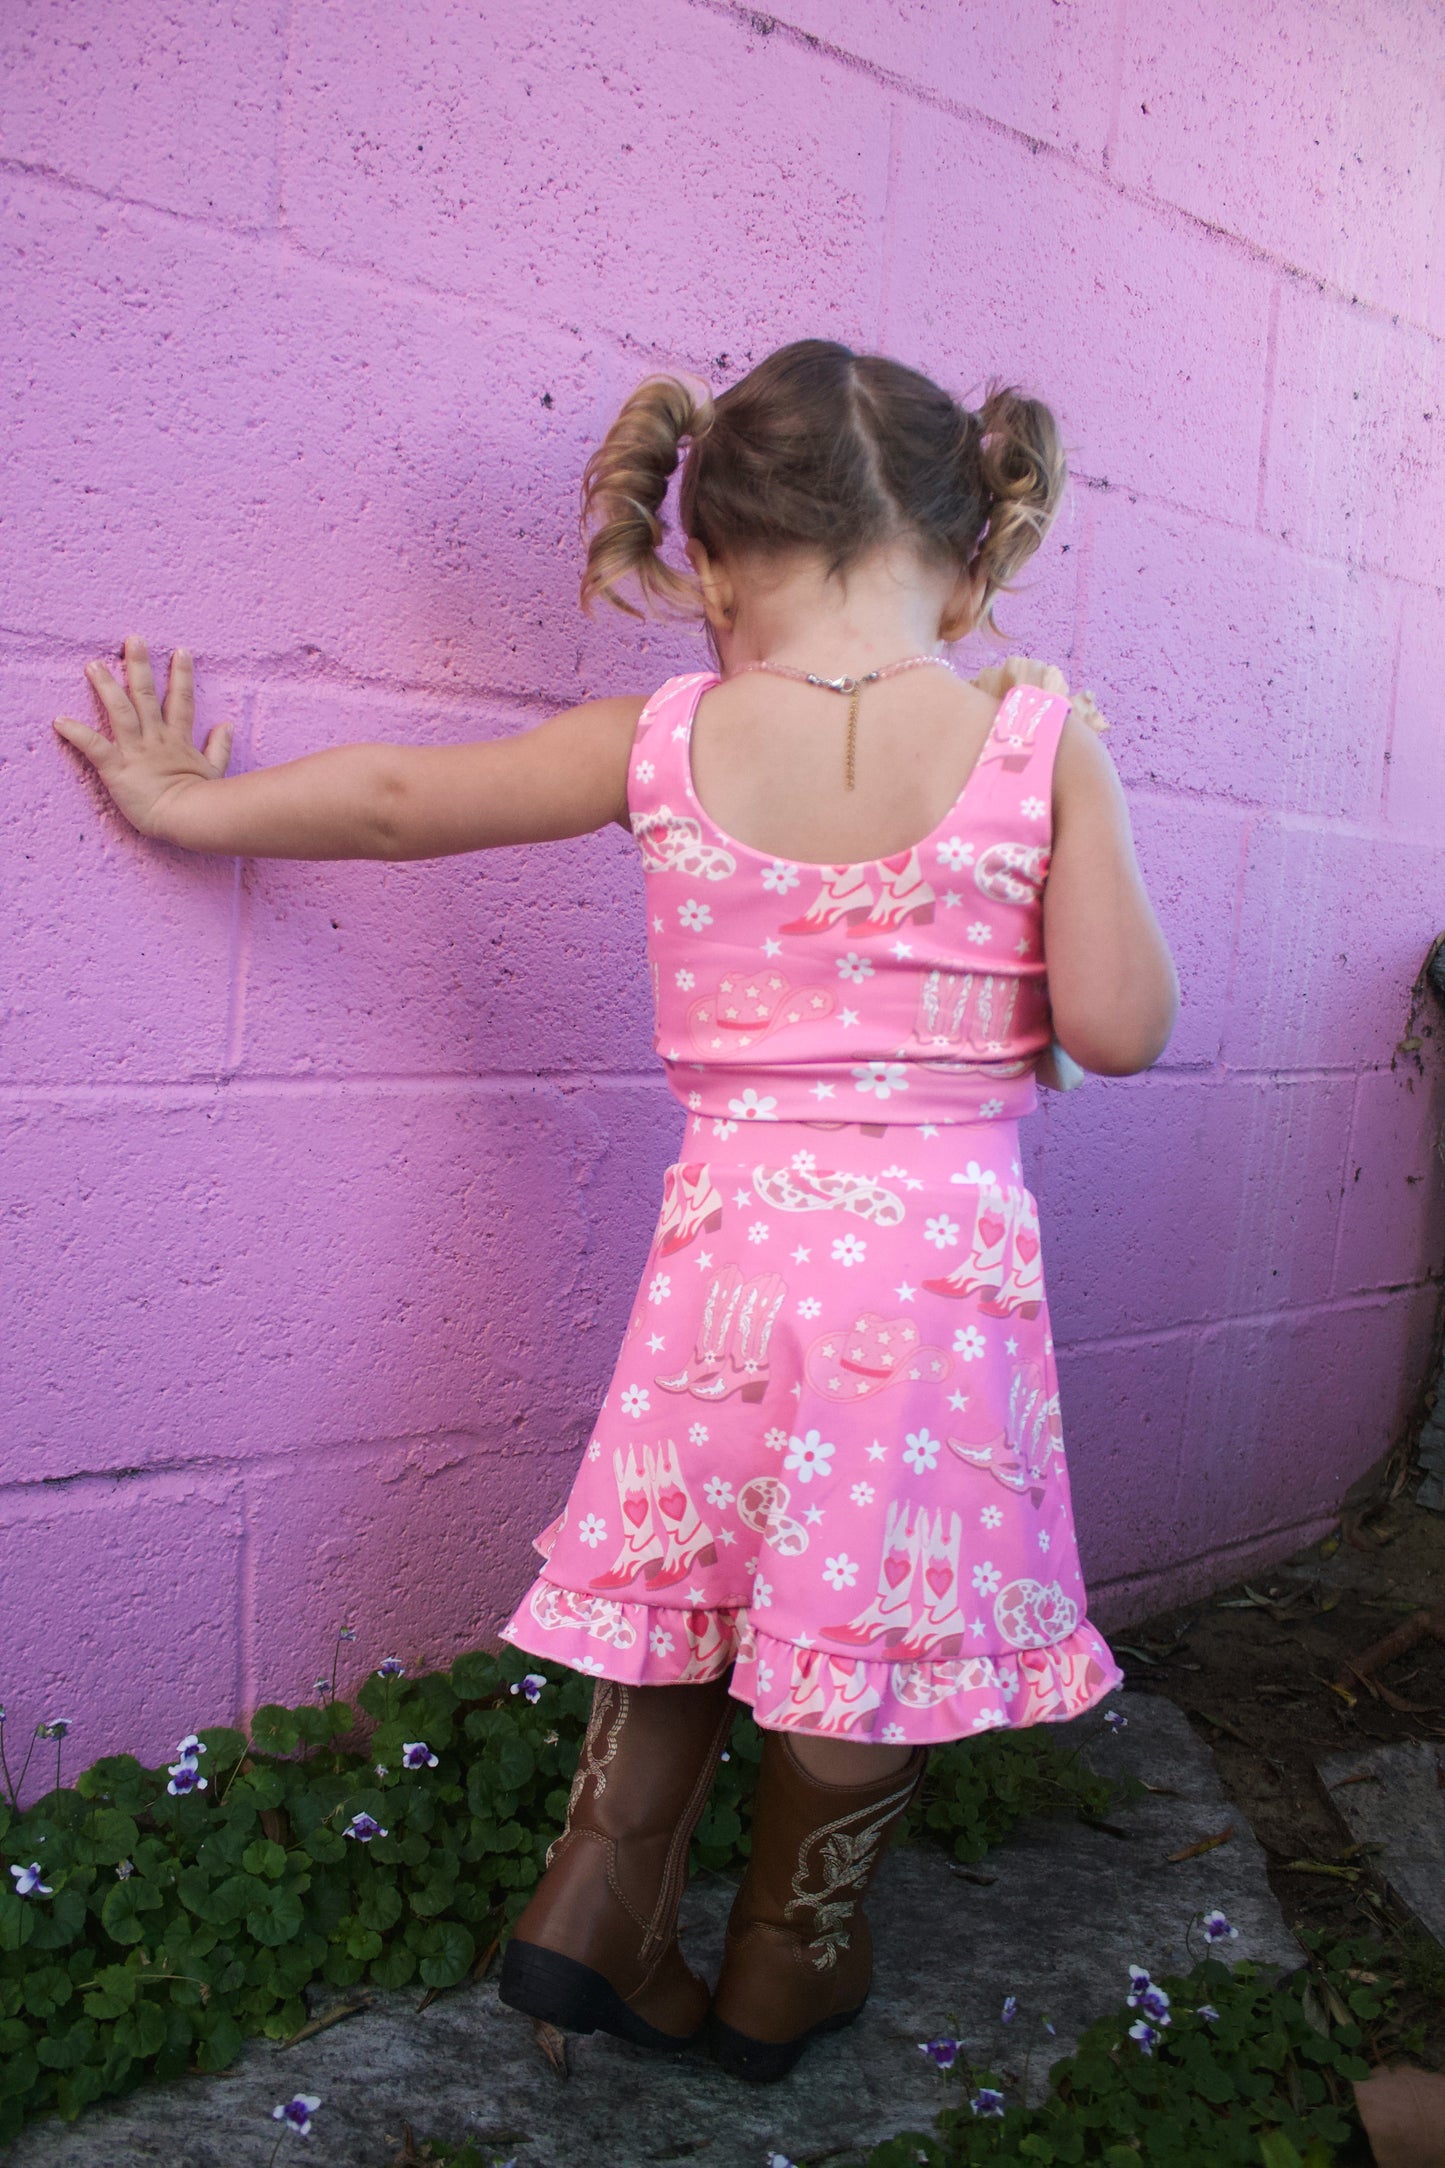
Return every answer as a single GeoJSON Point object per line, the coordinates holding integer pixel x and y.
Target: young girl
{"type": "Point", "coordinates": [828, 1476]}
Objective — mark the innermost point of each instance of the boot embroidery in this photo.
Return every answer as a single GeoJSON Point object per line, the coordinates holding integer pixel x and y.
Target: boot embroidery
{"type": "Point", "coordinates": [591, 1766]}
{"type": "Point", "coordinates": [843, 1856]}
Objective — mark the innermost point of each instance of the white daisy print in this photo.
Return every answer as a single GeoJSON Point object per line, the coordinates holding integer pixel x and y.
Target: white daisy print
{"type": "Point", "coordinates": [645, 771]}
{"type": "Point", "coordinates": [955, 854]}
{"type": "Point", "coordinates": [986, 1577]}
{"type": "Point", "coordinates": [687, 980]}
{"type": "Point", "coordinates": [698, 1435]}
{"type": "Point", "coordinates": [762, 1594]}
{"type": "Point", "coordinates": [990, 1719]}
{"type": "Point", "coordinates": [1044, 1539]}
{"type": "Point", "coordinates": [882, 1077]}
{"type": "Point", "coordinates": [992, 1516]}
{"type": "Point", "coordinates": [841, 1572]}
{"type": "Point", "coordinates": [849, 1250]}
{"type": "Point", "coordinates": [810, 1307]}
{"type": "Point", "coordinates": [765, 1677]}
{"type": "Point", "coordinates": [978, 932]}
{"type": "Point", "coordinates": [894, 1734]}
{"type": "Point", "coordinates": [718, 1492]}
{"type": "Point", "coordinates": [660, 1641]}
{"type": "Point", "coordinates": [990, 1108]}
{"type": "Point", "coordinates": [594, 1450]}
{"type": "Point", "coordinates": [592, 1531]}
{"type": "Point", "coordinates": [723, 1129]}
{"type": "Point", "coordinates": [635, 1400]}
{"type": "Point", "coordinates": [759, 1231]}
{"type": "Point", "coordinates": [809, 1455]}
{"type": "Point", "coordinates": [803, 1162]}
{"type": "Point", "coordinates": [775, 1440]}
{"type": "Point", "coordinates": [854, 968]}
{"type": "Point", "coordinates": [970, 1343]}
{"type": "Point", "coordinates": [922, 1451]}
{"type": "Point", "coordinates": [661, 1287]}
{"type": "Point", "coordinates": [694, 1099]}
{"type": "Point", "coordinates": [941, 1232]}
{"type": "Point", "coordinates": [1032, 809]}
{"type": "Point", "coordinates": [780, 877]}
{"type": "Point", "coordinates": [695, 915]}
{"type": "Point", "coordinates": [862, 1494]}
{"type": "Point", "coordinates": [750, 1108]}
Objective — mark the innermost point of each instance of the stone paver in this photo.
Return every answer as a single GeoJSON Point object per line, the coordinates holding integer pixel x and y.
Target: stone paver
{"type": "Point", "coordinates": [1068, 1910]}
{"type": "Point", "coordinates": [1401, 1808]}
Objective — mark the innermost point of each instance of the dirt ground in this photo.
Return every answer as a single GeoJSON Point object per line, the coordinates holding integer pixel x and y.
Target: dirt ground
{"type": "Point", "coordinates": [1259, 1668]}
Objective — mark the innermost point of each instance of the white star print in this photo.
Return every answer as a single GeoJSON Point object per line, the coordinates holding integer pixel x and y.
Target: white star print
{"type": "Point", "coordinates": [797, 1392]}
{"type": "Point", "coordinates": [1024, 946]}
{"type": "Point", "coordinates": [657, 925]}
{"type": "Point", "coordinates": [847, 1017]}
{"type": "Point", "coordinates": [742, 1197]}
{"type": "Point", "coordinates": [727, 1535]}
{"type": "Point", "coordinates": [976, 1628]}
{"type": "Point", "coordinates": [656, 1344]}
{"type": "Point", "coordinates": [822, 1091]}
{"type": "Point", "coordinates": [952, 900]}
{"type": "Point", "coordinates": [772, 948]}
{"type": "Point", "coordinates": [877, 1451]}
{"type": "Point", "coordinates": [905, 1293]}
{"type": "Point", "coordinates": [1012, 1345]}
{"type": "Point", "coordinates": [703, 1260]}
{"type": "Point", "coordinates": [902, 949]}
{"type": "Point", "coordinates": [958, 1400]}
{"type": "Point", "coordinates": [697, 1595]}
{"type": "Point", "coordinates": [801, 1256]}
{"type": "Point", "coordinates": [928, 1129]}
{"type": "Point", "coordinates": [813, 1515]}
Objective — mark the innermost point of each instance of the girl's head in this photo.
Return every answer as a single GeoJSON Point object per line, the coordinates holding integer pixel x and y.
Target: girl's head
{"type": "Point", "coordinates": [822, 451]}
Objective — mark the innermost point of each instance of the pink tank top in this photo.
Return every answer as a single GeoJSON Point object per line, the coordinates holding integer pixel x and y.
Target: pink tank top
{"type": "Point", "coordinates": [904, 989]}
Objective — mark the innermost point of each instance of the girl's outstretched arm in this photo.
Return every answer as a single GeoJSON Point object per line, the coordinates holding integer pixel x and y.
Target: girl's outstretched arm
{"type": "Point", "coordinates": [1112, 983]}
{"type": "Point", "coordinates": [564, 778]}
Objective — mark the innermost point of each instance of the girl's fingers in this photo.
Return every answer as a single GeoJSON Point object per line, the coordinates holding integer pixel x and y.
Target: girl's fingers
{"type": "Point", "coordinates": [217, 748]}
{"type": "Point", "coordinates": [95, 745]}
{"type": "Point", "coordinates": [141, 684]}
{"type": "Point", "coordinates": [180, 707]}
{"type": "Point", "coordinates": [113, 698]}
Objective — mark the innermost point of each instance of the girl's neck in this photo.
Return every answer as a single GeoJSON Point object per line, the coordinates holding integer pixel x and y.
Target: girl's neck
{"type": "Point", "coordinates": [883, 609]}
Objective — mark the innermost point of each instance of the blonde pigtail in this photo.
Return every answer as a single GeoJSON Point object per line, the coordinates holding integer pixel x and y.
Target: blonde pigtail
{"type": "Point", "coordinates": [1021, 462]}
{"type": "Point", "coordinates": [623, 489]}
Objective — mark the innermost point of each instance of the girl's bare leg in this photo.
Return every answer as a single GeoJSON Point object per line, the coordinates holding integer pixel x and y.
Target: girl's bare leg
{"type": "Point", "coordinates": [845, 1761]}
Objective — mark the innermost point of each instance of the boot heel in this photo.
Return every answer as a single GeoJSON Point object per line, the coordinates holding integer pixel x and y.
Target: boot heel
{"type": "Point", "coordinates": [544, 1984]}
{"type": "Point", "coordinates": [764, 2062]}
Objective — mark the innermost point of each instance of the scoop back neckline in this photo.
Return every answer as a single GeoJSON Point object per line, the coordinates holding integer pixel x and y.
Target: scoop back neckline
{"type": "Point", "coordinates": [706, 681]}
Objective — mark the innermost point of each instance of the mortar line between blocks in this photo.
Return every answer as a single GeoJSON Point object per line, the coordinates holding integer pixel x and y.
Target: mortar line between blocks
{"type": "Point", "coordinates": [1392, 711]}
{"type": "Point", "coordinates": [1271, 348]}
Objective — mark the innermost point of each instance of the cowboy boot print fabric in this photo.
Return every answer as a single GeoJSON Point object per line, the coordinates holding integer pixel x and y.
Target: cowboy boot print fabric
{"type": "Point", "coordinates": [831, 1452]}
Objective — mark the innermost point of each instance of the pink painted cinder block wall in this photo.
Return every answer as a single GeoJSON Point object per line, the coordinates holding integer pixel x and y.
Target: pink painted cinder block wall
{"type": "Point", "coordinates": [326, 1186]}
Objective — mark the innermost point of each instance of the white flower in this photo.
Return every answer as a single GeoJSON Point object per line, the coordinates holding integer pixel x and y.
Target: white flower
{"type": "Point", "coordinates": [978, 932]}
{"type": "Point", "coordinates": [775, 1440]}
{"type": "Point", "coordinates": [803, 1162]}
{"type": "Point", "coordinates": [1044, 1539]}
{"type": "Point", "coordinates": [694, 1099]}
{"type": "Point", "coordinates": [986, 1577]}
{"type": "Point", "coordinates": [594, 1450]}
{"type": "Point", "coordinates": [970, 1343]}
{"type": "Point", "coordinates": [809, 1456]}
{"type": "Point", "coordinates": [849, 1250]}
{"type": "Point", "coordinates": [922, 1451]}
{"type": "Point", "coordinates": [687, 980]}
{"type": "Point", "coordinates": [841, 1572]}
{"type": "Point", "coordinates": [752, 1109]}
{"type": "Point", "coordinates": [592, 1531]}
{"type": "Point", "coordinates": [1032, 809]}
{"type": "Point", "coordinates": [941, 1232]}
{"type": "Point", "coordinates": [862, 1494]}
{"type": "Point", "coordinates": [765, 1677]}
{"type": "Point", "coordinates": [882, 1077]}
{"type": "Point", "coordinates": [645, 771]}
{"type": "Point", "coordinates": [762, 1594]}
{"type": "Point", "coordinates": [955, 854]}
{"type": "Point", "coordinates": [695, 915]}
{"type": "Point", "coordinates": [990, 1108]}
{"type": "Point", "coordinates": [780, 877]}
{"type": "Point", "coordinates": [661, 1287]}
{"type": "Point", "coordinates": [636, 1400]}
{"type": "Point", "coordinates": [759, 1231]}
{"type": "Point", "coordinates": [992, 1517]}
{"type": "Point", "coordinates": [810, 1307]}
{"type": "Point", "coordinates": [698, 1435]}
{"type": "Point", "coordinates": [723, 1129]}
{"type": "Point", "coordinates": [854, 968]}
{"type": "Point", "coordinates": [718, 1492]}
{"type": "Point", "coordinates": [660, 1641]}
{"type": "Point", "coordinates": [893, 1734]}
{"type": "Point", "coordinates": [28, 1882]}
{"type": "Point", "coordinates": [990, 1719]}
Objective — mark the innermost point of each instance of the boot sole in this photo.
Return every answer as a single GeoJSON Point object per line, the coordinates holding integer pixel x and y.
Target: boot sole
{"type": "Point", "coordinates": [545, 1984]}
{"type": "Point", "coordinates": [763, 2062]}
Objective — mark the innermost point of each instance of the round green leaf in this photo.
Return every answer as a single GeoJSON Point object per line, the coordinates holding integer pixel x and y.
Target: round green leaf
{"type": "Point", "coordinates": [446, 1950]}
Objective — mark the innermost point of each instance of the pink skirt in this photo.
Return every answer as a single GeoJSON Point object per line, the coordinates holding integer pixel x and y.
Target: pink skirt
{"type": "Point", "coordinates": [831, 1453]}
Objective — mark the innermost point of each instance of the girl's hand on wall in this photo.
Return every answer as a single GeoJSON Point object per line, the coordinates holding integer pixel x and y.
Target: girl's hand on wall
{"type": "Point", "coordinates": [1001, 678]}
{"type": "Point", "coordinates": [152, 749]}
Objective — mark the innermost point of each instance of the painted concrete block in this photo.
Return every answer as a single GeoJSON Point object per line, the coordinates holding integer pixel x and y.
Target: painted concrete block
{"type": "Point", "coordinates": [120, 1608]}
{"type": "Point", "coordinates": [1200, 1199]}
{"type": "Point", "coordinates": [1333, 927]}
{"type": "Point", "coordinates": [1265, 1392]}
{"type": "Point", "coordinates": [1123, 1413]}
{"type": "Point", "coordinates": [1235, 667]}
{"type": "Point", "coordinates": [1415, 762]}
{"type": "Point", "coordinates": [1009, 262]}
{"type": "Point", "coordinates": [1357, 415]}
{"type": "Point", "coordinates": [686, 224]}
{"type": "Point", "coordinates": [1208, 99]}
{"type": "Point", "coordinates": [116, 949]}
{"type": "Point", "coordinates": [1392, 1223]}
{"type": "Point", "coordinates": [1191, 855]}
{"type": "Point", "coordinates": [179, 108]}
{"type": "Point", "coordinates": [1037, 67]}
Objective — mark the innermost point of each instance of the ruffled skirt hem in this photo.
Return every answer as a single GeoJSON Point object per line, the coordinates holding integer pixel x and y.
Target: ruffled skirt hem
{"type": "Point", "coordinates": [790, 1686]}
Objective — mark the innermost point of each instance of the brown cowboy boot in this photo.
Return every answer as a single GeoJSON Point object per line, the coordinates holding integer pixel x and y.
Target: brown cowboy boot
{"type": "Point", "coordinates": [596, 1948]}
{"type": "Point", "coordinates": [799, 1957]}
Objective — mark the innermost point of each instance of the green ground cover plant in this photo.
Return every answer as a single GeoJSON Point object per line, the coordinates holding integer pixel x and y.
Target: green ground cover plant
{"type": "Point", "coordinates": [152, 1918]}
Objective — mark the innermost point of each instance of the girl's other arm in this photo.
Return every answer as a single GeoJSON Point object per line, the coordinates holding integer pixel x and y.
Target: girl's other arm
{"type": "Point", "coordinates": [564, 778]}
{"type": "Point", "coordinates": [1112, 982]}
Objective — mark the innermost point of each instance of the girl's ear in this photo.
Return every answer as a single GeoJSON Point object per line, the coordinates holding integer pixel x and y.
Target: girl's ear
{"type": "Point", "coordinates": [719, 597]}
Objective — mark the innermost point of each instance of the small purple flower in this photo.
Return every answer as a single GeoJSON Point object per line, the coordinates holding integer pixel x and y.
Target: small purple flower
{"type": "Point", "coordinates": [1208, 2012]}
{"type": "Point", "coordinates": [1010, 2010]}
{"type": "Point", "coordinates": [321, 1685]}
{"type": "Point", "coordinates": [1146, 2035]}
{"type": "Point", "coordinates": [1154, 2003]}
{"type": "Point", "coordinates": [1116, 1719]}
{"type": "Point", "coordinates": [390, 1667]}
{"type": "Point", "coordinates": [531, 1685]}
{"type": "Point", "coordinates": [942, 2052]}
{"type": "Point", "coordinates": [775, 2160]}
{"type": "Point", "coordinates": [190, 1747]}
{"type": "Point", "coordinates": [363, 1828]}
{"type": "Point", "coordinates": [297, 2112]}
{"type": "Point", "coordinates": [1139, 1983]}
{"type": "Point", "coordinates": [987, 2101]}
{"type": "Point", "coordinates": [28, 1882]}
{"type": "Point", "coordinates": [124, 1869]}
{"type": "Point", "coordinates": [185, 1777]}
{"type": "Point", "coordinates": [417, 1755]}
{"type": "Point", "coordinates": [56, 1728]}
{"type": "Point", "coordinates": [381, 1768]}
{"type": "Point", "coordinates": [1217, 1928]}
{"type": "Point", "coordinates": [346, 1633]}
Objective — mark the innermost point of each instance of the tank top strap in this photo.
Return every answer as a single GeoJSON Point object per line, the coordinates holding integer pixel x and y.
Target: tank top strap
{"type": "Point", "coordinates": [659, 780]}
{"type": "Point", "coordinates": [1015, 771]}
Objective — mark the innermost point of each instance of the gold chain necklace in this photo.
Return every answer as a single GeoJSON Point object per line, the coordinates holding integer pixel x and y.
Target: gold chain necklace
{"type": "Point", "coordinates": [851, 686]}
